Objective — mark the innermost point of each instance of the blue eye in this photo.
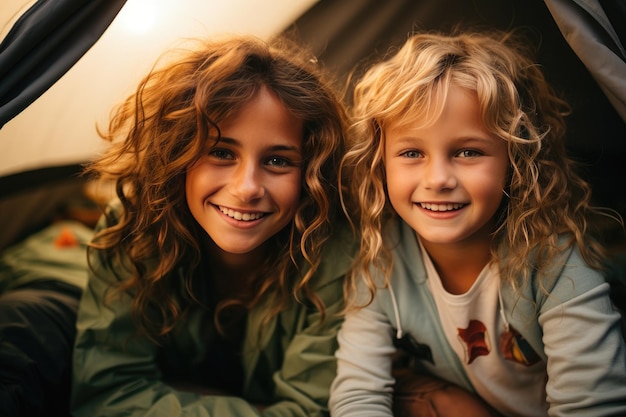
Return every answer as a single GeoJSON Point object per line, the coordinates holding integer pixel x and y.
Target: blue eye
{"type": "Point", "coordinates": [411, 154]}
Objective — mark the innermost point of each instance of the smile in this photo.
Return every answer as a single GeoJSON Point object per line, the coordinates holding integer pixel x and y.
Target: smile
{"type": "Point", "coordinates": [442, 207]}
{"type": "Point", "coordinates": [237, 215]}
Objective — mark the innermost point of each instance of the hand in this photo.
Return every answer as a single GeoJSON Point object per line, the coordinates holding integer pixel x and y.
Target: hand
{"type": "Point", "coordinates": [426, 396]}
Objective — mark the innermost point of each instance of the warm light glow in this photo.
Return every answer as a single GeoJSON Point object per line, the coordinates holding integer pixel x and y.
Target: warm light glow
{"type": "Point", "coordinates": [139, 15]}
{"type": "Point", "coordinates": [60, 126]}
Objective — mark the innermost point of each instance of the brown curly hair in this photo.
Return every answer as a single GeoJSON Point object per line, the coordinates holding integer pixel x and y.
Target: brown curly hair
{"type": "Point", "coordinates": [162, 129]}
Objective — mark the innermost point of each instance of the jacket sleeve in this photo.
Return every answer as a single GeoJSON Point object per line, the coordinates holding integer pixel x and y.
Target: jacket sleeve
{"type": "Point", "coordinates": [586, 354]}
{"type": "Point", "coordinates": [364, 384]}
{"type": "Point", "coordinates": [302, 381]}
{"type": "Point", "coordinates": [115, 371]}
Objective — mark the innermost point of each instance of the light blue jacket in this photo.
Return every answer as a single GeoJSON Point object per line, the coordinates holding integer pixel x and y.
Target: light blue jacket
{"type": "Point", "coordinates": [582, 347]}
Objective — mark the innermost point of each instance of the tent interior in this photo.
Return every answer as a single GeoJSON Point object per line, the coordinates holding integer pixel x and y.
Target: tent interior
{"type": "Point", "coordinates": [47, 136]}
{"type": "Point", "coordinates": [65, 64]}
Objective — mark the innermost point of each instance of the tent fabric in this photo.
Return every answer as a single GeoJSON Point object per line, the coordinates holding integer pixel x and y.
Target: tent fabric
{"type": "Point", "coordinates": [616, 13]}
{"type": "Point", "coordinates": [355, 32]}
{"type": "Point", "coordinates": [589, 31]}
{"type": "Point", "coordinates": [30, 199]}
{"type": "Point", "coordinates": [44, 43]}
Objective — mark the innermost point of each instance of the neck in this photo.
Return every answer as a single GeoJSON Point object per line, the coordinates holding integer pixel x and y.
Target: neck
{"type": "Point", "coordinates": [233, 274]}
{"type": "Point", "coordinates": [460, 264]}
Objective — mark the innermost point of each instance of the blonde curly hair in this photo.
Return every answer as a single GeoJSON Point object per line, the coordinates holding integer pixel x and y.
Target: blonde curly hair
{"type": "Point", "coordinates": [546, 199]}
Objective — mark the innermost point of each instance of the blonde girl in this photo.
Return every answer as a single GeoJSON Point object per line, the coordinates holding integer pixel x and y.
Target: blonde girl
{"type": "Point", "coordinates": [475, 256]}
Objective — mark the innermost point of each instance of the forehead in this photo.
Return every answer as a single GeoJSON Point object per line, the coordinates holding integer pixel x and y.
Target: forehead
{"type": "Point", "coordinates": [264, 120]}
{"type": "Point", "coordinates": [458, 121]}
{"type": "Point", "coordinates": [422, 106]}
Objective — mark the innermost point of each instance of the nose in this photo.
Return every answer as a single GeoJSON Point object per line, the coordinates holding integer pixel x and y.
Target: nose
{"type": "Point", "coordinates": [247, 182]}
{"type": "Point", "coordinates": [439, 175]}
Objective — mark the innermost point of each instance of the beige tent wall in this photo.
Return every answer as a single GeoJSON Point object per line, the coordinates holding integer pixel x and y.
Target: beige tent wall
{"type": "Point", "coordinates": [59, 127]}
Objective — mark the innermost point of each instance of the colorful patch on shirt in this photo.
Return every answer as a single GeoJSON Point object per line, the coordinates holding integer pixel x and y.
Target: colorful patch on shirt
{"type": "Point", "coordinates": [515, 348]}
{"type": "Point", "coordinates": [474, 340]}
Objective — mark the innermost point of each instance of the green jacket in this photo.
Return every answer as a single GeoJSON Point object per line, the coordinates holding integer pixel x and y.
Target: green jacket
{"type": "Point", "coordinates": [290, 367]}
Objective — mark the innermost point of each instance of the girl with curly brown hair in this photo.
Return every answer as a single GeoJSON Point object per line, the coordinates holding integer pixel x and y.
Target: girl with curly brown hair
{"type": "Point", "coordinates": [216, 277]}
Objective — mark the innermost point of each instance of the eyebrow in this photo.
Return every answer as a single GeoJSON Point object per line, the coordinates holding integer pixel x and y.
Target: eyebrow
{"type": "Point", "coordinates": [232, 141]}
{"type": "Point", "coordinates": [404, 140]}
{"type": "Point", "coordinates": [481, 141]}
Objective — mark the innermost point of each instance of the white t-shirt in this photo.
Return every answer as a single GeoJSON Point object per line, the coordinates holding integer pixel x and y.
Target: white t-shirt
{"type": "Point", "coordinates": [493, 356]}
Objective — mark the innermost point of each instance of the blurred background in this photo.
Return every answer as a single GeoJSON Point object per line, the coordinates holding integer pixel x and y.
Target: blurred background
{"type": "Point", "coordinates": [64, 64]}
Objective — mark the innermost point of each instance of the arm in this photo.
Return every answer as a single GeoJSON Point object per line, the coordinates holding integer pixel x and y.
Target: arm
{"type": "Point", "coordinates": [115, 372]}
{"type": "Point", "coordinates": [371, 382]}
{"type": "Point", "coordinates": [586, 352]}
{"type": "Point", "coordinates": [307, 366]}
{"type": "Point", "coordinates": [364, 384]}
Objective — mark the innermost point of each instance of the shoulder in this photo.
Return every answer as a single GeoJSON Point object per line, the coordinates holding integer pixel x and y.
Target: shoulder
{"type": "Point", "coordinates": [406, 252]}
{"type": "Point", "coordinates": [111, 216]}
{"type": "Point", "coordinates": [337, 255]}
{"type": "Point", "coordinates": [570, 277]}
{"type": "Point", "coordinates": [109, 265]}
{"type": "Point", "coordinates": [566, 277]}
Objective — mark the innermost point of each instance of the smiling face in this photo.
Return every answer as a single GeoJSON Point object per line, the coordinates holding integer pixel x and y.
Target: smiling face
{"type": "Point", "coordinates": [446, 180]}
{"type": "Point", "coordinates": [247, 188]}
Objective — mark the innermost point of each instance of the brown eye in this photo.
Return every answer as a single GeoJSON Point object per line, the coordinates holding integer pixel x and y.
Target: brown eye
{"type": "Point", "coordinates": [469, 153]}
{"type": "Point", "coordinates": [276, 161]}
{"type": "Point", "coordinates": [221, 154]}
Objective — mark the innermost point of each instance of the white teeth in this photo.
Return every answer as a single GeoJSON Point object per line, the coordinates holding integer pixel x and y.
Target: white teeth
{"type": "Point", "coordinates": [441, 207]}
{"type": "Point", "coordinates": [237, 215]}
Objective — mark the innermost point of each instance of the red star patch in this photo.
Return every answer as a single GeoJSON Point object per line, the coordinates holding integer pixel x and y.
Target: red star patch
{"type": "Point", "coordinates": [475, 340]}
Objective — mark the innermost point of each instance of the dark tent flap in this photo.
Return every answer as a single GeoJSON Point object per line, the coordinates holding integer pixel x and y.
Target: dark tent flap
{"type": "Point", "coordinates": [44, 43]}
{"type": "Point", "coordinates": [595, 39]}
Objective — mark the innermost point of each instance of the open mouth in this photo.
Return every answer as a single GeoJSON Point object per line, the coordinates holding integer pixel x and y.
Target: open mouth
{"type": "Point", "coordinates": [442, 207]}
{"type": "Point", "coordinates": [237, 215]}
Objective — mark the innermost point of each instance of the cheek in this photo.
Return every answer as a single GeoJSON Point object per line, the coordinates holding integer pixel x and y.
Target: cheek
{"type": "Point", "coordinates": [494, 195]}
{"type": "Point", "coordinates": [189, 186]}
{"type": "Point", "coordinates": [193, 180]}
{"type": "Point", "coordinates": [398, 187]}
{"type": "Point", "coordinates": [288, 192]}
{"type": "Point", "coordinates": [199, 182]}
{"type": "Point", "coordinates": [490, 188]}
